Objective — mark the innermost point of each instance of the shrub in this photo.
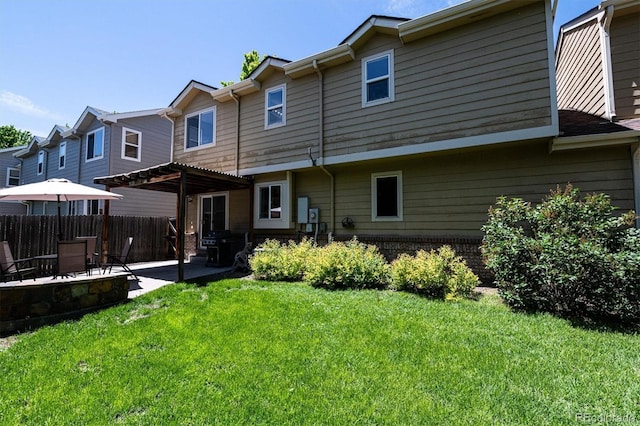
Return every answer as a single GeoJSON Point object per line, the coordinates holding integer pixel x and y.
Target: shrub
{"type": "Point", "coordinates": [568, 256]}
{"type": "Point", "coordinates": [273, 261]}
{"type": "Point", "coordinates": [347, 265]}
{"type": "Point", "coordinates": [440, 274]}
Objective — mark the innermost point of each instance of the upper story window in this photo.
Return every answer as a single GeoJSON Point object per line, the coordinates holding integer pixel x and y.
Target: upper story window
{"type": "Point", "coordinates": [13, 176]}
{"type": "Point", "coordinates": [377, 79]}
{"type": "Point", "coordinates": [40, 162]}
{"type": "Point", "coordinates": [200, 129]}
{"type": "Point", "coordinates": [131, 144]}
{"type": "Point", "coordinates": [95, 144]}
{"type": "Point", "coordinates": [62, 155]}
{"type": "Point", "coordinates": [386, 196]}
{"type": "Point", "coordinates": [275, 113]}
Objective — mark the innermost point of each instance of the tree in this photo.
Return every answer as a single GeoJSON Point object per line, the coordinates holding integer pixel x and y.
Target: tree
{"type": "Point", "coordinates": [10, 136]}
{"type": "Point", "coordinates": [251, 61]}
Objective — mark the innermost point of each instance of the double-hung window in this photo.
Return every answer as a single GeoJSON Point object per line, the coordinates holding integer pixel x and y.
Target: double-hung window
{"type": "Point", "coordinates": [200, 129]}
{"type": "Point", "coordinates": [40, 162]}
{"type": "Point", "coordinates": [13, 176]}
{"type": "Point", "coordinates": [377, 79]}
{"type": "Point", "coordinates": [95, 144]}
{"type": "Point", "coordinates": [275, 112]}
{"type": "Point", "coordinates": [131, 144]}
{"type": "Point", "coordinates": [386, 196]}
{"type": "Point", "coordinates": [62, 155]}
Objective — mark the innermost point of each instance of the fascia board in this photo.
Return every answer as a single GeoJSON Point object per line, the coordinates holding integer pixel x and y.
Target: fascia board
{"type": "Point", "coordinates": [241, 88]}
{"type": "Point", "coordinates": [186, 92]}
{"type": "Point", "coordinates": [113, 118]}
{"type": "Point", "coordinates": [335, 56]}
{"type": "Point", "coordinates": [594, 140]}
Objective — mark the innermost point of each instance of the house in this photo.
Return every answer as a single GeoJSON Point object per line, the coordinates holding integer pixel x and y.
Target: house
{"type": "Point", "coordinates": [598, 77]}
{"type": "Point", "coordinates": [403, 135]}
{"type": "Point", "coordinates": [10, 176]}
{"type": "Point", "coordinates": [102, 143]}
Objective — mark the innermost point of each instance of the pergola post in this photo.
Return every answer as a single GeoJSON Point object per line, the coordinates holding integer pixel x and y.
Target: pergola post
{"type": "Point", "coordinates": [181, 223]}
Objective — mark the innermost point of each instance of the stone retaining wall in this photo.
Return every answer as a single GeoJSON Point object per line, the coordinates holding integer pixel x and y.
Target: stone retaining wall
{"type": "Point", "coordinates": [28, 305]}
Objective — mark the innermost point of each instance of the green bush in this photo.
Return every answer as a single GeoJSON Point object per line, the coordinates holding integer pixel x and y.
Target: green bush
{"type": "Point", "coordinates": [440, 274]}
{"type": "Point", "coordinates": [347, 265]}
{"type": "Point", "coordinates": [569, 256]}
{"type": "Point", "coordinates": [273, 261]}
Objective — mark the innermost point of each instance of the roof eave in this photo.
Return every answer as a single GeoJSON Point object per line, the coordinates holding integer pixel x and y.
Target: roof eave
{"type": "Point", "coordinates": [564, 143]}
{"type": "Point", "coordinates": [335, 56]}
{"type": "Point", "coordinates": [455, 16]}
{"type": "Point", "coordinates": [241, 88]}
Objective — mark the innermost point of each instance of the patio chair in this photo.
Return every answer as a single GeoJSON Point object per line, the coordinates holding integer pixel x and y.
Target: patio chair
{"type": "Point", "coordinates": [241, 259]}
{"type": "Point", "coordinates": [92, 255]}
{"type": "Point", "coordinates": [121, 259]}
{"type": "Point", "coordinates": [10, 267]}
{"type": "Point", "coordinates": [72, 257]}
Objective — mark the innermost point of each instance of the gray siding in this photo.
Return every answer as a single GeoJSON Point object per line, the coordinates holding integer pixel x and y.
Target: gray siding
{"type": "Point", "coordinates": [7, 160]}
{"type": "Point", "coordinates": [625, 56]}
{"type": "Point", "coordinates": [100, 167]}
{"type": "Point", "coordinates": [140, 202]}
{"type": "Point", "coordinates": [155, 145]}
{"type": "Point", "coordinates": [449, 195]}
{"type": "Point", "coordinates": [579, 72]}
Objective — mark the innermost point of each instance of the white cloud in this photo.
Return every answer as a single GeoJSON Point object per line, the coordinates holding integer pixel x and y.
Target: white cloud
{"type": "Point", "coordinates": [24, 105]}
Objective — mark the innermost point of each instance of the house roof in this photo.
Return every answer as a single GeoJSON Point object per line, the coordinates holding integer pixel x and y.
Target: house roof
{"type": "Point", "coordinates": [186, 95]}
{"type": "Point", "coordinates": [30, 148]}
{"type": "Point", "coordinates": [84, 120]}
{"type": "Point", "coordinates": [113, 118]}
{"type": "Point", "coordinates": [578, 123]}
{"type": "Point", "coordinates": [167, 178]}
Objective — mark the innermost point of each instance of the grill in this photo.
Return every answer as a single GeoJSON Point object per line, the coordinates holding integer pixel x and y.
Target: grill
{"type": "Point", "coordinates": [218, 245]}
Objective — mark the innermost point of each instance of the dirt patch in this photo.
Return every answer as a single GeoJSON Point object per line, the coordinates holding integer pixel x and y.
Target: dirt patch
{"type": "Point", "coordinates": [7, 342]}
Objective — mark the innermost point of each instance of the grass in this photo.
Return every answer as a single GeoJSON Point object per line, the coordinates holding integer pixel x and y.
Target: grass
{"type": "Point", "coordinates": [247, 352]}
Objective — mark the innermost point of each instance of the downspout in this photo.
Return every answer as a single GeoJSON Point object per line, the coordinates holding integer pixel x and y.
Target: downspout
{"type": "Point", "coordinates": [332, 207]}
{"type": "Point", "coordinates": [605, 44]}
{"type": "Point", "coordinates": [237, 100]}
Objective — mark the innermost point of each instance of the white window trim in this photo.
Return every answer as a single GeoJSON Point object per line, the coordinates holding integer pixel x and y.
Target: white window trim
{"type": "Point", "coordinates": [9, 169]}
{"type": "Point", "coordinates": [391, 98]}
{"type": "Point", "coordinates": [41, 162]}
{"type": "Point", "coordinates": [374, 197]}
{"type": "Point", "coordinates": [61, 148]}
{"type": "Point", "coordinates": [282, 87]}
{"type": "Point", "coordinates": [200, 146]}
{"type": "Point", "coordinates": [284, 222]}
{"type": "Point", "coordinates": [124, 144]}
{"type": "Point", "coordinates": [86, 140]}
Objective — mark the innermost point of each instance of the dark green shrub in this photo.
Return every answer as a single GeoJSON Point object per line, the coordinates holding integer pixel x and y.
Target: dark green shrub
{"type": "Point", "coordinates": [568, 256]}
{"type": "Point", "coordinates": [440, 274]}
{"type": "Point", "coordinates": [273, 261]}
{"type": "Point", "coordinates": [347, 265]}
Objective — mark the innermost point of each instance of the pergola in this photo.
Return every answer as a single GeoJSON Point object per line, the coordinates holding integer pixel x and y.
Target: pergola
{"type": "Point", "coordinates": [181, 179]}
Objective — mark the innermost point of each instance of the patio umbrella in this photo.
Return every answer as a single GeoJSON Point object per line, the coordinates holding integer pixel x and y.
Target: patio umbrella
{"type": "Point", "coordinates": [56, 190]}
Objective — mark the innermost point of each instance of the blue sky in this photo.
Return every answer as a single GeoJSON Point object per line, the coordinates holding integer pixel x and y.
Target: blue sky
{"type": "Point", "coordinates": [58, 56]}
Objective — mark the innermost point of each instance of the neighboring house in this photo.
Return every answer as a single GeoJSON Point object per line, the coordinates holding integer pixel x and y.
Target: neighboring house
{"type": "Point", "coordinates": [102, 143]}
{"type": "Point", "coordinates": [404, 134]}
{"type": "Point", "coordinates": [10, 176]}
{"type": "Point", "coordinates": [598, 77]}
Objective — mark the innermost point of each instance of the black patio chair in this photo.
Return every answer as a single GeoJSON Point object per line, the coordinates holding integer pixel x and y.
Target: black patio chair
{"type": "Point", "coordinates": [121, 259]}
{"type": "Point", "coordinates": [10, 267]}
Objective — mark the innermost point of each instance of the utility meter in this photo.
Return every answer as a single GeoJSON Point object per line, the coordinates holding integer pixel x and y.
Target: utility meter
{"type": "Point", "coordinates": [314, 215]}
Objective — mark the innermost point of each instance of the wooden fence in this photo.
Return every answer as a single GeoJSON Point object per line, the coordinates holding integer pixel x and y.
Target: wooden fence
{"type": "Point", "coordinates": [30, 236]}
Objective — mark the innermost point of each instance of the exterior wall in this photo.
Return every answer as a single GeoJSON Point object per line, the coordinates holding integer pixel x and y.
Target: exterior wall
{"type": "Point", "coordinates": [7, 160]}
{"type": "Point", "coordinates": [625, 56]}
{"type": "Point", "coordinates": [100, 167]}
{"type": "Point", "coordinates": [579, 71]}
{"type": "Point", "coordinates": [155, 143]}
{"type": "Point", "coordinates": [486, 77]}
{"type": "Point", "coordinates": [263, 147]}
{"type": "Point", "coordinates": [221, 156]}
{"type": "Point", "coordinates": [141, 202]}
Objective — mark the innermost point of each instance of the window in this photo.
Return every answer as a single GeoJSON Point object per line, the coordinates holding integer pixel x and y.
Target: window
{"type": "Point", "coordinates": [377, 79]}
{"type": "Point", "coordinates": [200, 129]}
{"type": "Point", "coordinates": [13, 176]}
{"type": "Point", "coordinates": [275, 107]}
{"type": "Point", "coordinates": [72, 208]}
{"type": "Point", "coordinates": [95, 145]}
{"type": "Point", "coordinates": [93, 207]}
{"type": "Point", "coordinates": [386, 196]}
{"type": "Point", "coordinates": [272, 205]}
{"type": "Point", "coordinates": [62, 155]}
{"type": "Point", "coordinates": [40, 162]}
{"type": "Point", "coordinates": [131, 141]}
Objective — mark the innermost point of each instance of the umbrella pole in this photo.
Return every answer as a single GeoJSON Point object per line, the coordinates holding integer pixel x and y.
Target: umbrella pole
{"type": "Point", "coordinates": [59, 221]}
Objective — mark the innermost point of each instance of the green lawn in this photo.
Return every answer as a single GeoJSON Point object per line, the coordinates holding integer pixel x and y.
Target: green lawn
{"type": "Point", "coordinates": [241, 351]}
